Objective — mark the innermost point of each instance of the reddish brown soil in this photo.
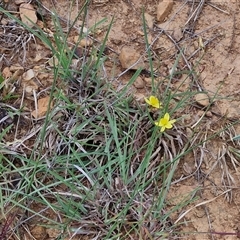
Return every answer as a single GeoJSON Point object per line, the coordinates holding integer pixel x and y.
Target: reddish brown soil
{"type": "Point", "coordinates": [217, 64]}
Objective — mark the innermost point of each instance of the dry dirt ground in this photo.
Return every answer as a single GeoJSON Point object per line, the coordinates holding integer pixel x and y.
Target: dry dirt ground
{"type": "Point", "coordinates": [210, 41]}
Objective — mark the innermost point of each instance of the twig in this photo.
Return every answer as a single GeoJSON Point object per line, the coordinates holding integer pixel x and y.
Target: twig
{"type": "Point", "coordinates": [219, 9]}
{"type": "Point", "coordinates": [190, 24]}
{"type": "Point", "coordinates": [185, 59]}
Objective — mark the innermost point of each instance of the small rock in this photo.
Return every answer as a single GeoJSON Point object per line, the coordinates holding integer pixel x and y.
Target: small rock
{"type": "Point", "coordinates": [43, 75]}
{"type": "Point", "coordinates": [31, 86]}
{"type": "Point", "coordinates": [139, 97]}
{"type": "Point", "coordinates": [141, 33]}
{"type": "Point", "coordinates": [125, 8]}
{"type": "Point", "coordinates": [85, 42]}
{"type": "Point", "coordinates": [4, 22]}
{"type": "Point", "coordinates": [189, 132]}
{"type": "Point", "coordinates": [29, 74]}
{"type": "Point", "coordinates": [17, 74]}
{"type": "Point", "coordinates": [149, 20]}
{"type": "Point", "coordinates": [148, 81]}
{"type": "Point", "coordinates": [6, 73]}
{"type": "Point", "coordinates": [209, 114]}
{"type": "Point", "coordinates": [116, 41]}
{"type": "Point", "coordinates": [16, 67]}
{"type": "Point", "coordinates": [28, 14]}
{"type": "Point", "coordinates": [149, 38]}
{"type": "Point", "coordinates": [177, 33]}
{"type": "Point", "coordinates": [42, 107]}
{"type": "Point", "coordinates": [39, 232]}
{"type": "Point", "coordinates": [53, 61]}
{"type": "Point", "coordinates": [40, 54]}
{"type": "Point", "coordinates": [129, 57]}
{"type": "Point", "coordinates": [75, 64]}
{"type": "Point", "coordinates": [163, 9]}
{"type": "Point", "coordinates": [29, 91]}
{"type": "Point", "coordinates": [38, 57]}
{"type": "Point", "coordinates": [38, 68]}
{"type": "Point", "coordinates": [52, 232]}
{"type": "Point", "coordinates": [83, 30]}
{"type": "Point", "coordinates": [78, 52]}
{"type": "Point", "coordinates": [76, 39]}
{"type": "Point", "coordinates": [139, 83]}
{"type": "Point", "coordinates": [187, 168]}
{"type": "Point", "coordinates": [18, 2]}
{"type": "Point", "coordinates": [200, 113]}
{"type": "Point", "coordinates": [202, 99]}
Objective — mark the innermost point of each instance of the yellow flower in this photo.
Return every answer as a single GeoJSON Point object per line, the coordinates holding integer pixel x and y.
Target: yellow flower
{"type": "Point", "coordinates": [153, 101]}
{"type": "Point", "coordinates": [165, 122]}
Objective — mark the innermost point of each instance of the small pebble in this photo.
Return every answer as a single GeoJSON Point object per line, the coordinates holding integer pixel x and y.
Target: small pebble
{"type": "Point", "coordinates": [202, 99]}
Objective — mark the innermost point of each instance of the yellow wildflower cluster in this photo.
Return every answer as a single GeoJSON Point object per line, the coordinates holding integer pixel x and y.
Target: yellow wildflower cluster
{"type": "Point", "coordinates": [164, 122]}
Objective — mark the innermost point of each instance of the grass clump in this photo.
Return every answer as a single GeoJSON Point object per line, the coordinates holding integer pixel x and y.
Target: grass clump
{"type": "Point", "coordinates": [99, 164]}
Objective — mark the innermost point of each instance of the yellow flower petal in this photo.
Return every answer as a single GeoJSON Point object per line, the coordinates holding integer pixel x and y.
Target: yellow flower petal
{"type": "Point", "coordinates": [166, 116]}
{"type": "Point", "coordinates": [162, 129]}
{"type": "Point", "coordinates": [165, 122]}
{"type": "Point", "coordinates": [168, 125]}
{"type": "Point", "coordinates": [153, 101]}
{"type": "Point", "coordinates": [147, 101]}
